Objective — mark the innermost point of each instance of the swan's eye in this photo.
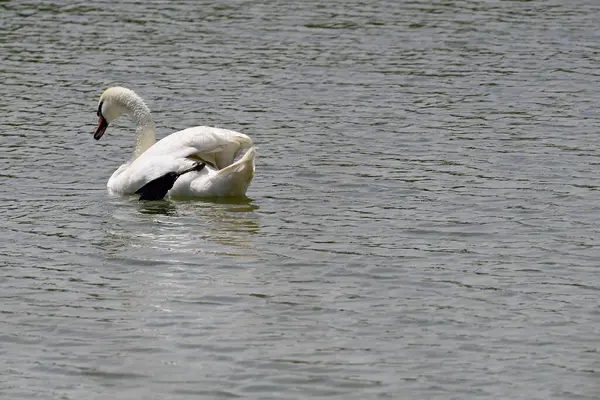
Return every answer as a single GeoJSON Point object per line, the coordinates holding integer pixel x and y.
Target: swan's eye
{"type": "Point", "coordinates": [99, 112]}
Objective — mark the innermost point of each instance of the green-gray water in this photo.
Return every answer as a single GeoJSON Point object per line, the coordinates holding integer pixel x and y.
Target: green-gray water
{"type": "Point", "coordinates": [423, 223]}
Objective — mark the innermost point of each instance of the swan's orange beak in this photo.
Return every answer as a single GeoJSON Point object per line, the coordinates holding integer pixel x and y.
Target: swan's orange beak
{"type": "Point", "coordinates": [102, 125]}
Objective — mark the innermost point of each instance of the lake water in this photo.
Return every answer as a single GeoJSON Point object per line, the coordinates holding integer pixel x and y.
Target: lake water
{"type": "Point", "coordinates": [424, 222]}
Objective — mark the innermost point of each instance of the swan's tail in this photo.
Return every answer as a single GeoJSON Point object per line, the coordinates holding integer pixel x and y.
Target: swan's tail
{"type": "Point", "coordinates": [235, 178]}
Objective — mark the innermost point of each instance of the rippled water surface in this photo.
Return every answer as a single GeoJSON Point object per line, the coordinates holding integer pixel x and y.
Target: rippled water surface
{"type": "Point", "coordinates": [424, 221]}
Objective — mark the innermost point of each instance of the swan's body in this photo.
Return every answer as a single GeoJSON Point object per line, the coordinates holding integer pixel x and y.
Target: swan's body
{"type": "Point", "coordinates": [177, 154]}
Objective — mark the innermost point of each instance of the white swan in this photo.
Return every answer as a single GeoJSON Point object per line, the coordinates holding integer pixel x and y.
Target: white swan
{"type": "Point", "coordinates": [194, 162]}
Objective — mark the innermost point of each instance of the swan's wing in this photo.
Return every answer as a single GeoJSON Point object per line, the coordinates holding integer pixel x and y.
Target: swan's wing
{"type": "Point", "coordinates": [147, 168]}
{"type": "Point", "coordinates": [215, 146]}
{"type": "Point", "coordinates": [158, 188]}
{"type": "Point", "coordinates": [232, 181]}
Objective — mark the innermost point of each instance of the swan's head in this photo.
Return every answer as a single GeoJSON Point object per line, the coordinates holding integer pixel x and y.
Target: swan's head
{"type": "Point", "coordinates": [114, 102]}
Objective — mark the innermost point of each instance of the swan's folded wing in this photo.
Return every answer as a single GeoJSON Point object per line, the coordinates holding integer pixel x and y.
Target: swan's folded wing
{"type": "Point", "coordinates": [215, 146]}
{"type": "Point", "coordinates": [147, 168]}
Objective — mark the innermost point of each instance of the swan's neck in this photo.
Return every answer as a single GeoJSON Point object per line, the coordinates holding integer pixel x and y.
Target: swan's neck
{"type": "Point", "coordinates": [145, 131]}
{"type": "Point", "coordinates": [145, 136]}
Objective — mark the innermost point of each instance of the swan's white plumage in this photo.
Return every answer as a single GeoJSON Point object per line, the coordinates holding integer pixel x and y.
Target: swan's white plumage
{"type": "Point", "coordinates": [223, 175]}
{"type": "Point", "coordinates": [231, 181]}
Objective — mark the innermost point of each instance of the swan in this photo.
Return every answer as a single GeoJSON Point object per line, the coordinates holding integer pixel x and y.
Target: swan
{"type": "Point", "coordinates": [194, 162]}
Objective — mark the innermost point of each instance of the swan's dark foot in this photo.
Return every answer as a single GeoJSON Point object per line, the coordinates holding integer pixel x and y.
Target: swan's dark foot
{"type": "Point", "coordinates": [157, 189]}
{"type": "Point", "coordinates": [197, 167]}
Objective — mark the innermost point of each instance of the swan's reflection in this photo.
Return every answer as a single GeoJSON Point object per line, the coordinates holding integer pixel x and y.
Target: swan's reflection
{"type": "Point", "coordinates": [230, 223]}
{"type": "Point", "coordinates": [226, 226]}
{"type": "Point", "coordinates": [147, 254]}
{"type": "Point", "coordinates": [162, 207]}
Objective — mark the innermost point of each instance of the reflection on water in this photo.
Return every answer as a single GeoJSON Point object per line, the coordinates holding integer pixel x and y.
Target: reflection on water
{"type": "Point", "coordinates": [161, 207]}
{"type": "Point", "coordinates": [230, 223]}
{"type": "Point", "coordinates": [223, 227]}
{"type": "Point", "coordinates": [168, 206]}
